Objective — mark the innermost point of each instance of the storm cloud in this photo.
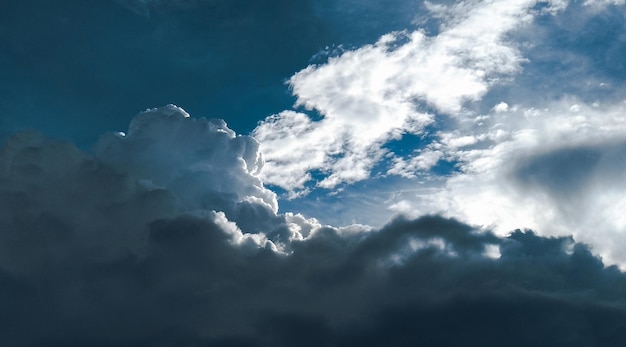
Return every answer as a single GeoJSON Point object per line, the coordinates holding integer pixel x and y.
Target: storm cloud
{"type": "Point", "coordinates": [165, 236]}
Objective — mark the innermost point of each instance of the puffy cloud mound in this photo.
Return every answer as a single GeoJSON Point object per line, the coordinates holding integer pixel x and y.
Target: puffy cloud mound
{"type": "Point", "coordinates": [169, 149]}
{"type": "Point", "coordinates": [164, 237]}
{"type": "Point", "coordinates": [203, 163]}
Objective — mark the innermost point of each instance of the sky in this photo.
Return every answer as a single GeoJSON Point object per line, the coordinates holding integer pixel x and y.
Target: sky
{"type": "Point", "coordinates": [312, 172]}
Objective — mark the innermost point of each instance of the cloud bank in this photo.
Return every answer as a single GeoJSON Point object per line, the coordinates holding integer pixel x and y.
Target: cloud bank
{"type": "Point", "coordinates": [164, 236]}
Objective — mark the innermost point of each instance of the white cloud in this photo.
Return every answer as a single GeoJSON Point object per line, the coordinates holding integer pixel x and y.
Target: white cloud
{"type": "Point", "coordinates": [166, 148]}
{"type": "Point", "coordinates": [422, 162]}
{"type": "Point", "coordinates": [501, 107]}
{"type": "Point", "coordinates": [600, 4]}
{"type": "Point", "coordinates": [376, 93]}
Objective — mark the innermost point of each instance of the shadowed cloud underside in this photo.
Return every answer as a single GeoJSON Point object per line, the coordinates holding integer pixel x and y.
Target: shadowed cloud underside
{"type": "Point", "coordinates": [114, 249]}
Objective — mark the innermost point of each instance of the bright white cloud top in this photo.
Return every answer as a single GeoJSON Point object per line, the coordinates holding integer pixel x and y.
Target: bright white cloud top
{"type": "Point", "coordinates": [554, 165]}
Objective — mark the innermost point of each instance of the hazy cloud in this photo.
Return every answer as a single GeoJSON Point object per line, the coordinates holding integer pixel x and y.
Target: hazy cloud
{"type": "Point", "coordinates": [556, 170]}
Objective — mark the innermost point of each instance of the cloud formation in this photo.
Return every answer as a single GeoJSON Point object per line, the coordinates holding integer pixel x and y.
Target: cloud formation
{"type": "Point", "coordinates": [508, 115]}
{"type": "Point", "coordinates": [377, 93]}
{"type": "Point", "coordinates": [165, 237]}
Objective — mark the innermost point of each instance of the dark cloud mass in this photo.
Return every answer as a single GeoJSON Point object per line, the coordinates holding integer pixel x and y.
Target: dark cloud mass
{"type": "Point", "coordinates": [164, 237]}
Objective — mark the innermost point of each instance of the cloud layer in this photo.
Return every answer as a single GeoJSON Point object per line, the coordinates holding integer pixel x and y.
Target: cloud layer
{"type": "Point", "coordinates": [165, 237]}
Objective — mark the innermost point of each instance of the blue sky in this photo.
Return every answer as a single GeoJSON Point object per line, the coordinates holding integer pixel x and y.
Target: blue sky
{"type": "Point", "coordinates": [74, 69]}
{"type": "Point", "coordinates": [256, 170]}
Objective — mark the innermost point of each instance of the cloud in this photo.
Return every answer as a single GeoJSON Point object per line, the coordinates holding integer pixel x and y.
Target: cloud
{"type": "Point", "coordinates": [553, 169]}
{"type": "Point", "coordinates": [204, 54]}
{"type": "Point", "coordinates": [165, 237]}
{"type": "Point", "coordinates": [166, 234]}
{"type": "Point", "coordinates": [600, 4]}
{"type": "Point", "coordinates": [535, 142]}
{"type": "Point", "coordinates": [170, 149]}
{"type": "Point", "coordinates": [166, 164]}
{"type": "Point", "coordinates": [369, 96]}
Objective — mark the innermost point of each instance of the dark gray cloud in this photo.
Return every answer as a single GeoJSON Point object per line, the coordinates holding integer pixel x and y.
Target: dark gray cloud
{"type": "Point", "coordinates": [111, 250]}
{"type": "Point", "coordinates": [567, 172]}
{"type": "Point", "coordinates": [570, 177]}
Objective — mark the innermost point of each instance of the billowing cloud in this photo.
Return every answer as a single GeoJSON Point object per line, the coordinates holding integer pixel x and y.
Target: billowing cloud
{"type": "Point", "coordinates": [170, 149]}
{"type": "Point", "coordinates": [164, 236]}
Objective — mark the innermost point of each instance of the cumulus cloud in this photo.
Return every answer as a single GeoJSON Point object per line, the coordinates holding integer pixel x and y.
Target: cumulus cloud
{"type": "Point", "coordinates": [201, 162]}
{"type": "Point", "coordinates": [379, 92]}
{"type": "Point", "coordinates": [114, 249]}
{"type": "Point", "coordinates": [167, 162]}
{"type": "Point", "coordinates": [169, 149]}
